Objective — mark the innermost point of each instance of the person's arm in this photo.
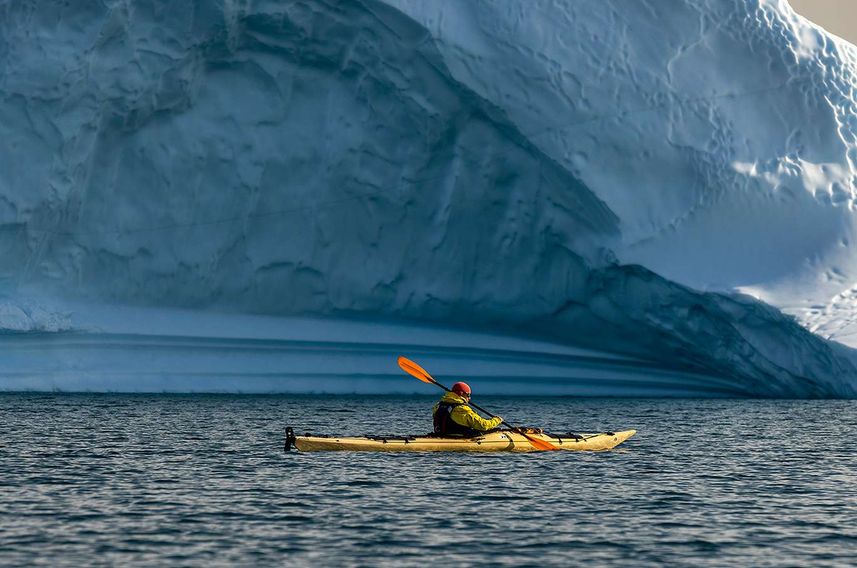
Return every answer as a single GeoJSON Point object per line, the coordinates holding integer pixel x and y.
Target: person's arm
{"type": "Point", "coordinates": [465, 416]}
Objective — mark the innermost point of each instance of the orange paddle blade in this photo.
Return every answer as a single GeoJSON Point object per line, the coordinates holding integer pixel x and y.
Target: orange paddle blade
{"type": "Point", "coordinates": [415, 370]}
{"type": "Point", "coordinates": [540, 444]}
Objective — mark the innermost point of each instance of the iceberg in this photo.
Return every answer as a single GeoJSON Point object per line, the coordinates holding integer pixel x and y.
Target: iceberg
{"type": "Point", "coordinates": [604, 197]}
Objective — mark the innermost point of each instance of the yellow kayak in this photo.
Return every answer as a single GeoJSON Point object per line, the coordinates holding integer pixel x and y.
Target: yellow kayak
{"type": "Point", "coordinates": [495, 441]}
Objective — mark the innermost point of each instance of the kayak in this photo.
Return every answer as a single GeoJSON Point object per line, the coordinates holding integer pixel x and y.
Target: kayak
{"type": "Point", "coordinates": [495, 441]}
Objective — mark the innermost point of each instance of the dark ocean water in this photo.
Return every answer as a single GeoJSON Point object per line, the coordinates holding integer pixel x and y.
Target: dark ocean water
{"type": "Point", "coordinates": [203, 480]}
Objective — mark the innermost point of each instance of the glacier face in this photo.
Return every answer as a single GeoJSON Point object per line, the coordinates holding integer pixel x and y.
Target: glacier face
{"type": "Point", "coordinates": [599, 174]}
{"type": "Point", "coordinates": [722, 134]}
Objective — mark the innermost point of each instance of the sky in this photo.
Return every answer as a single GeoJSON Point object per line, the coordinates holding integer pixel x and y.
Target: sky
{"type": "Point", "coordinates": [839, 17]}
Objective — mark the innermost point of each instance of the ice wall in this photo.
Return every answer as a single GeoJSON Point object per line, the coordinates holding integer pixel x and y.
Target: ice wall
{"type": "Point", "coordinates": [496, 165]}
{"type": "Point", "coordinates": [722, 134]}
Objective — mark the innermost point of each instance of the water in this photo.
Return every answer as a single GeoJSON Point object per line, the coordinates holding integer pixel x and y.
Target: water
{"type": "Point", "coordinates": [203, 480]}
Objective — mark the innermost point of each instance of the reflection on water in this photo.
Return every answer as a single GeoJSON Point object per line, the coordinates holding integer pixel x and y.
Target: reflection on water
{"type": "Point", "coordinates": [119, 479]}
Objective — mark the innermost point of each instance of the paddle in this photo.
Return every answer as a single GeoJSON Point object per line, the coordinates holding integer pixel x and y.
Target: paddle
{"type": "Point", "coordinates": [416, 371]}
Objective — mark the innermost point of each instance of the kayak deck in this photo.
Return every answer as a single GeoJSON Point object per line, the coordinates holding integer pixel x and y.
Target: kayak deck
{"type": "Point", "coordinates": [495, 441]}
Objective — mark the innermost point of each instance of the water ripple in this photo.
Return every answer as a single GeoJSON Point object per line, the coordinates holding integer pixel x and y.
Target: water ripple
{"type": "Point", "coordinates": [194, 480]}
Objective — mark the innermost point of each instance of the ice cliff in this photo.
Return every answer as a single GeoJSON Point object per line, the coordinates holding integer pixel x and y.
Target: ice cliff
{"type": "Point", "coordinates": [666, 185]}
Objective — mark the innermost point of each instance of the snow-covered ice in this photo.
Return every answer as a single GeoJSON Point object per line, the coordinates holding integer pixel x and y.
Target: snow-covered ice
{"type": "Point", "coordinates": [668, 189]}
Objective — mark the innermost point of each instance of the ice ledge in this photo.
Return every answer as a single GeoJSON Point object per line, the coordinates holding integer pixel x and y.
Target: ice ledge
{"type": "Point", "coordinates": [31, 318]}
{"type": "Point", "coordinates": [121, 349]}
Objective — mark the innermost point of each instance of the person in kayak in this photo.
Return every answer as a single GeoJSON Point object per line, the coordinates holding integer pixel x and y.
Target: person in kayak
{"type": "Point", "coordinates": [453, 416]}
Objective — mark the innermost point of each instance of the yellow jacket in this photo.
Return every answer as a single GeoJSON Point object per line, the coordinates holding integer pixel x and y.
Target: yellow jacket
{"type": "Point", "coordinates": [466, 416]}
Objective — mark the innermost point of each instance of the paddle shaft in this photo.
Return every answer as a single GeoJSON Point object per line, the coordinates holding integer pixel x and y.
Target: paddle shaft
{"type": "Point", "coordinates": [479, 408]}
{"type": "Point", "coordinates": [418, 372]}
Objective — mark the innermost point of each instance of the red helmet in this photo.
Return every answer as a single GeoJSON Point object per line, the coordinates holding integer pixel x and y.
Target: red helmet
{"type": "Point", "coordinates": [461, 388]}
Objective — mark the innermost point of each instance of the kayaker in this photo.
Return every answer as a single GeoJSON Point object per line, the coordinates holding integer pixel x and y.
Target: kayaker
{"type": "Point", "coordinates": [453, 416]}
